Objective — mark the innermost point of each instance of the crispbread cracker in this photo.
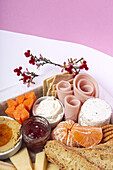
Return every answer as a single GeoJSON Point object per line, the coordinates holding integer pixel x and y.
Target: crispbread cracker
{"type": "Point", "coordinates": [70, 81]}
{"type": "Point", "coordinates": [49, 81]}
{"type": "Point", "coordinates": [46, 84]}
{"type": "Point", "coordinates": [54, 93]}
{"type": "Point", "coordinates": [64, 77]}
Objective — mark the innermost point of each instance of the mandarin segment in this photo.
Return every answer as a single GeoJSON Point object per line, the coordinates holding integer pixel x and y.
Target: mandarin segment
{"type": "Point", "coordinates": [87, 136]}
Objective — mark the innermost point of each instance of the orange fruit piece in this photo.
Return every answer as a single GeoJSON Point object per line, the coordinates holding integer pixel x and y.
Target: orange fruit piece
{"type": "Point", "coordinates": [87, 136]}
{"type": "Point", "coordinates": [63, 134]}
{"type": "Point", "coordinates": [30, 95]}
{"type": "Point", "coordinates": [24, 115]}
{"type": "Point", "coordinates": [17, 113]}
{"type": "Point", "coordinates": [17, 116]}
{"type": "Point", "coordinates": [11, 103]}
{"type": "Point", "coordinates": [10, 111]}
{"type": "Point", "coordinates": [21, 114]}
{"type": "Point", "coordinates": [20, 99]}
{"type": "Point", "coordinates": [28, 103]}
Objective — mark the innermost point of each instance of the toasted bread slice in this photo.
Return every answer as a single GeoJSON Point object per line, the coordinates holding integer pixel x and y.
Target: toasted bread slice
{"type": "Point", "coordinates": [98, 157]}
{"type": "Point", "coordinates": [108, 147]}
{"type": "Point", "coordinates": [66, 158]}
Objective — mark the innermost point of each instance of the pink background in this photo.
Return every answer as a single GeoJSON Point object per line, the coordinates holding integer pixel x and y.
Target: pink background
{"type": "Point", "coordinates": [87, 22]}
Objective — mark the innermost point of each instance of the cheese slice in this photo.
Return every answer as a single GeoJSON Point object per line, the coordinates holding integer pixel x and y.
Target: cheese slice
{"type": "Point", "coordinates": [22, 160]}
{"type": "Point", "coordinates": [6, 166]}
{"type": "Point", "coordinates": [52, 166]}
{"type": "Point", "coordinates": [41, 161]}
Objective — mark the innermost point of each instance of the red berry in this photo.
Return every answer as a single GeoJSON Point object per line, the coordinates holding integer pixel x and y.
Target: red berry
{"type": "Point", "coordinates": [86, 68]}
{"type": "Point", "coordinates": [81, 67]}
{"type": "Point", "coordinates": [71, 66]}
{"type": "Point", "coordinates": [84, 62]}
{"type": "Point", "coordinates": [20, 68]}
{"type": "Point", "coordinates": [15, 70]}
{"type": "Point", "coordinates": [84, 65]}
{"type": "Point", "coordinates": [27, 54]}
{"type": "Point", "coordinates": [18, 73]}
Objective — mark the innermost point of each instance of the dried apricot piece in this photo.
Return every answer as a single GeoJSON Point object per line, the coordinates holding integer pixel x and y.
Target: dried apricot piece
{"type": "Point", "coordinates": [20, 99]}
{"type": "Point", "coordinates": [11, 103]}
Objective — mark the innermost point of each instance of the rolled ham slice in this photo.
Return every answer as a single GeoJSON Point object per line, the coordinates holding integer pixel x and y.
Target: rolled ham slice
{"type": "Point", "coordinates": [72, 108]}
{"type": "Point", "coordinates": [85, 87]}
{"type": "Point", "coordinates": [63, 89]}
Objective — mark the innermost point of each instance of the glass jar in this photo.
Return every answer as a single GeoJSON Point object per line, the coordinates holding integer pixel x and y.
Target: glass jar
{"type": "Point", "coordinates": [36, 131]}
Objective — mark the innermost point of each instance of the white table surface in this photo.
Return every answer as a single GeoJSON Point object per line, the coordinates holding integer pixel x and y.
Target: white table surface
{"type": "Point", "coordinates": [13, 46]}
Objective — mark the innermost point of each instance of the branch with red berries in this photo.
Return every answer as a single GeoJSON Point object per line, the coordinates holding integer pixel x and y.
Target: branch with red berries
{"type": "Point", "coordinates": [73, 66]}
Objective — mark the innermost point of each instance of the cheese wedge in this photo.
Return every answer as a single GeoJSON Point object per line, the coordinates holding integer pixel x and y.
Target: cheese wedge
{"type": "Point", "coordinates": [22, 160]}
{"type": "Point", "coordinates": [41, 161]}
{"type": "Point", "coordinates": [52, 166]}
{"type": "Point", "coordinates": [6, 166]}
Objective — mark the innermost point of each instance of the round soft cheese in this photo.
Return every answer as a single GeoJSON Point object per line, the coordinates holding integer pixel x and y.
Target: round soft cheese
{"type": "Point", "coordinates": [95, 112]}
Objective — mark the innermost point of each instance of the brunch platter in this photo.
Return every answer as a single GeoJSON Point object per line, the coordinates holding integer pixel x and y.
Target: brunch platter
{"type": "Point", "coordinates": [66, 115]}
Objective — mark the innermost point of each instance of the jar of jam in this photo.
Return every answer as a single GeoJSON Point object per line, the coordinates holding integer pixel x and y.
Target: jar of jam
{"type": "Point", "coordinates": [36, 131]}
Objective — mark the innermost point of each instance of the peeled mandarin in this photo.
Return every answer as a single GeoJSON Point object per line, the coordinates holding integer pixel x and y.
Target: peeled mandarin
{"type": "Point", "coordinates": [87, 136]}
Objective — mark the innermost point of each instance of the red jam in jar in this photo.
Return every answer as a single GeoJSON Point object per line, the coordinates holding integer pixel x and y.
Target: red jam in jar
{"type": "Point", "coordinates": [36, 131]}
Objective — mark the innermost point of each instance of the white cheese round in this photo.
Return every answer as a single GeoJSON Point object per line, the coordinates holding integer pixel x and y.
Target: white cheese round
{"type": "Point", "coordinates": [94, 112]}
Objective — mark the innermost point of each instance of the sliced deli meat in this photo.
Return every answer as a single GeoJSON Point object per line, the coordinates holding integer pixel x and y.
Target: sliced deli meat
{"type": "Point", "coordinates": [72, 107]}
{"type": "Point", "coordinates": [85, 87]}
{"type": "Point", "coordinates": [63, 89]}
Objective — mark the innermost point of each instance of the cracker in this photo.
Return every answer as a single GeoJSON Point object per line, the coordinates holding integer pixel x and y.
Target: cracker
{"type": "Point", "coordinates": [106, 139]}
{"type": "Point", "coordinates": [70, 81]}
{"type": "Point", "coordinates": [46, 84]}
{"type": "Point", "coordinates": [107, 129]}
{"type": "Point", "coordinates": [107, 134]}
{"type": "Point", "coordinates": [54, 93]}
{"type": "Point", "coordinates": [106, 126]}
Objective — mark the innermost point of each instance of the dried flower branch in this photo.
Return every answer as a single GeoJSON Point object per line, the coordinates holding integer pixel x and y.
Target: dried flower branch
{"type": "Point", "coordinates": [72, 66]}
{"type": "Point", "coordinates": [26, 76]}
